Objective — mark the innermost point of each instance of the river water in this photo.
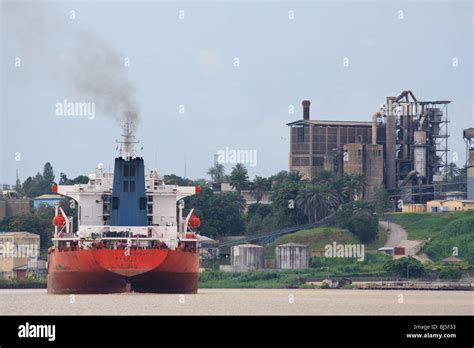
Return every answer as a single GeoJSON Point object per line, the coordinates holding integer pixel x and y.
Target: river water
{"type": "Point", "coordinates": [242, 302]}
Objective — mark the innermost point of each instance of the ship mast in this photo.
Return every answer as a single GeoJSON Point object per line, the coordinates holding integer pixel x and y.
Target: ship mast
{"type": "Point", "coordinates": [128, 136]}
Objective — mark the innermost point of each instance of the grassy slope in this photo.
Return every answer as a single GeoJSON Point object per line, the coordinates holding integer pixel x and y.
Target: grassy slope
{"type": "Point", "coordinates": [322, 267]}
{"type": "Point", "coordinates": [446, 230]}
{"type": "Point", "coordinates": [317, 238]}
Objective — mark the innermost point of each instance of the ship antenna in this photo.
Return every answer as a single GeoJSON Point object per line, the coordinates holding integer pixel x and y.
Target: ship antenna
{"type": "Point", "coordinates": [128, 140]}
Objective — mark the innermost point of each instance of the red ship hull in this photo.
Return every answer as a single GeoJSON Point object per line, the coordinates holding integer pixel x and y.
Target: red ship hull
{"type": "Point", "coordinates": [99, 271]}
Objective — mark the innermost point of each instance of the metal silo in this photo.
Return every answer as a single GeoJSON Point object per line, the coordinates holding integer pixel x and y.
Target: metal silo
{"type": "Point", "coordinates": [292, 256]}
{"type": "Point", "coordinates": [247, 257]}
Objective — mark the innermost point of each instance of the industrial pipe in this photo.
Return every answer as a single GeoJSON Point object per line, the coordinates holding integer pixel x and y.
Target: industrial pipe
{"type": "Point", "coordinates": [405, 95]}
{"type": "Point", "coordinates": [306, 104]}
{"type": "Point", "coordinates": [375, 116]}
{"type": "Point", "coordinates": [409, 176]}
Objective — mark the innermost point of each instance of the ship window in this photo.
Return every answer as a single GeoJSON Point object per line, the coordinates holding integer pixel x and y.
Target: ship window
{"type": "Point", "coordinates": [142, 203]}
{"type": "Point", "coordinates": [125, 186]}
{"type": "Point", "coordinates": [115, 203]}
{"type": "Point", "coordinates": [125, 170]}
{"type": "Point", "coordinates": [132, 186]}
{"type": "Point", "coordinates": [132, 170]}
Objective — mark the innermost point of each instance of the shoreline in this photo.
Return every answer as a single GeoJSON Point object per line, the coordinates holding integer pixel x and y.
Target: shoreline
{"type": "Point", "coordinates": [315, 285]}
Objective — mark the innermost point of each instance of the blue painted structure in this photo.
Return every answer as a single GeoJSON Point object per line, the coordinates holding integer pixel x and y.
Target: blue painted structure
{"type": "Point", "coordinates": [47, 200]}
{"type": "Point", "coordinates": [129, 200]}
{"type": "Point", "coordinates": [470, 187]}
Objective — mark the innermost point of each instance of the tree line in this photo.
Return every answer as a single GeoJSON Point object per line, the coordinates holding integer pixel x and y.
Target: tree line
{"type": "Point", "coordinates": [294, 201]}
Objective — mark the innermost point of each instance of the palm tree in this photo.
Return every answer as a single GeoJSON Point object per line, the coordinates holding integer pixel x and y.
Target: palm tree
{"type": "Point", "coordinates": [324, 177]}
{"type": "Point", "coordinates": [239, 177]}
{"type": "Point", "coordinates": [259, 186]}
{"type": "Point", "coordinates": [340, 190]}
{"type": "Point", "coordinates": [363, 208]}
{"type": "Point", "coordinates": [355, 184]}
{"type": "Point", "coordinates": [217, 172]}
{"type": "Point", "coordinates": [295, 176]}
{"type": "Point", "coordinates": [316, 201]}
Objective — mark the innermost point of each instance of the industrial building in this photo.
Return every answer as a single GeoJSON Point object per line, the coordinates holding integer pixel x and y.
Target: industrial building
{"type": "Point", "coordinates": [404, 146]}
{"type": "Point", "coordinates": [17, 249]}
{"type": "Point", "coordinates": [13, 206]}
{"type": "Point", "coordinates": [449, 205]}
{"type": "Point", "coordinates": [468, 136]}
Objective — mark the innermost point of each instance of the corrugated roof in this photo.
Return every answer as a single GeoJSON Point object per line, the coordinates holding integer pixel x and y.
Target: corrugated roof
{"type": "Point", "coordinates": [249, 246]}
{"type": "Point", "coordinates": [452, 200]}
{"type": "Point", "coordinates": [331, 123]}
{"type": "Point", "coordinates": [49, 196]}
{"type": "Point", "coordinates": [3, 233]}
{"type": "Point", "coordinates": [292, 245]}
{"type": "Point", "coordinates": [452, 259]}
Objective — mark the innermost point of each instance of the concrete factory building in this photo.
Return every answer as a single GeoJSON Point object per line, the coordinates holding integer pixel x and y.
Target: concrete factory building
{"type": "Point", "coordinates": [17, 249]}
{"type": "Point", "coordinates": [13, 206]}
{"type": "Point", "coordinates": [403, 146]}
{"type": "Point", "coordinates": [468, 135]}
{"type": "Point", "coordinates": [449, 205]}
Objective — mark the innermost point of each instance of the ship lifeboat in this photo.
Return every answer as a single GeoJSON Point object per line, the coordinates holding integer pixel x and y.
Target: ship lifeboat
{"type": "Point", "coordinates": [194, 222]}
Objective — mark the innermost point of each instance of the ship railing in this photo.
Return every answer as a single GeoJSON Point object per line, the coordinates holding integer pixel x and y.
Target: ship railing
{"type": "Point", "coordinates": [126, 238]}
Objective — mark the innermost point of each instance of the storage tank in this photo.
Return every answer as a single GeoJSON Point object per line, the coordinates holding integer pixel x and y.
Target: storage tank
{"type": "Point", "coordinates": [419, 152]}
{"type": "Point", "coordinates": [292, 256]}
{"type": "Point", "coordinates": [247, 257]}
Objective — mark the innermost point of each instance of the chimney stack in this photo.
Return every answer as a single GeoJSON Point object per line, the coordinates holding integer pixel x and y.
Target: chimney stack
{"type": "Point", "coordinates": [306, 104]}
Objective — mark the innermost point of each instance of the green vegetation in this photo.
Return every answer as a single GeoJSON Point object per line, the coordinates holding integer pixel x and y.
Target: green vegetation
{"type": "Point", "coordinates": [451, 234]}
{"type": "Point", "coordinates": [371, 266]}
{"type": "Point", "coordinates": [359, 217]}
{"type": "Point", "coordinates": [26, 283]}
{"type": "Point", "coordinates": [315, 238]}
{"type": "Point", "coordinates": [239, 178]}
{"type": "Point", "coordinates": [256, 279]}
{"type": "Point", "coordinates": [38, 184]}
{"type": "Point", "coordinates": [37, 221]}
{"type": "Point", "coordinates": [450, 273]}
{"type": "Point", "coordinates": [318, 238]}
{"type": "Point", "coordinates": [406, 267]}
{"type": "Point", "coordinates": [221, 214]}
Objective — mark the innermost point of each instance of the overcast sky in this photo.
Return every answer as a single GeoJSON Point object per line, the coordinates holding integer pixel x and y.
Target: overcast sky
{"type": "Point", "coordinates": [191, 62]}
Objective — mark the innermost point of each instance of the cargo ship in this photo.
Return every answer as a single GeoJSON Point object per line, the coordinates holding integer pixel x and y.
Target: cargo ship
{"type": "Point", "coordinates": [131, 234]}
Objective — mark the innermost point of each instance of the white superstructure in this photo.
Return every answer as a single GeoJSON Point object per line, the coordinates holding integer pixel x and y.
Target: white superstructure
{"type": "Point", "coordinates": [164, 222]}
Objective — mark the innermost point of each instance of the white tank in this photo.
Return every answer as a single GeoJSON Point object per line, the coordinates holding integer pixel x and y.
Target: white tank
{"type": "Point", "coordinates": [292, 256]}
{"type": "Point", "coordinates": [247, 256]}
